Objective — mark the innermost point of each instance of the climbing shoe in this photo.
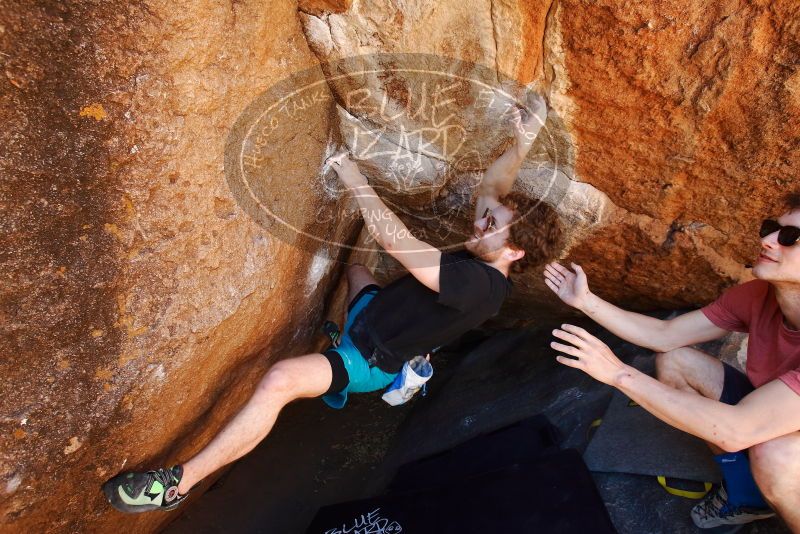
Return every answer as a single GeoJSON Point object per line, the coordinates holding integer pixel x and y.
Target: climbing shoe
{"type": "Point", "coordinates": [715, 511]}
{"type": "Point", "coordinates": [141, 492]}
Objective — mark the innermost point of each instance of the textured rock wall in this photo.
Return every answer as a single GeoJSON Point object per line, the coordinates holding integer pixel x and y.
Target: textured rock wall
{"type": "Point", "coordinates": [141, 302]}
{"type": "Point", "coordinates": [682, 125]}
{"type": "Point", "coordinates": [687, 118]}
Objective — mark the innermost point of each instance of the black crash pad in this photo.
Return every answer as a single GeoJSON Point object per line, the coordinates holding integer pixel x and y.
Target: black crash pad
{"type": "Point", "coordinates": [553, 494]}
{"type": "Point", "coordinates": [518, 443]}
{"type": "Point", "coordinates": [631, 440]}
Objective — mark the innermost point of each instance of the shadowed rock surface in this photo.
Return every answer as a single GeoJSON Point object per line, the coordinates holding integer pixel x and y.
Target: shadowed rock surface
{"type": "Point", "coordinates": [142, 299]}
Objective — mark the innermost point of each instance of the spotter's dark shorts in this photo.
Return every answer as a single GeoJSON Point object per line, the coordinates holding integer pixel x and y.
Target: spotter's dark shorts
{"type": "Point", "coordinates": [736, 386]}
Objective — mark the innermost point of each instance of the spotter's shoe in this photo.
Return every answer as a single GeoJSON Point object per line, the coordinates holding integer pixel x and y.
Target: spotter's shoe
{"type": "Point", "coordinates": [715, 511]}
{"type": "Point", "coordinates": [144, 491]}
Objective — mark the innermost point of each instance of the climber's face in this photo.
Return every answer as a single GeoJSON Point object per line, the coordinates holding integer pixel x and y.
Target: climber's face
{"type": "Point", "coordinates": [490, 234]}
{"type": "Point", "coordinates": [779, 262]}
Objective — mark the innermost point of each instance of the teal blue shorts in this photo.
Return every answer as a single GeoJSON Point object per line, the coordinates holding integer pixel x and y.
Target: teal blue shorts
{"type": "Point", "coordinates": [362, 377]}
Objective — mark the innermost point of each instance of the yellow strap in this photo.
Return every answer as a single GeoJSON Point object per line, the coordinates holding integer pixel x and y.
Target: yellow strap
{"type": "Point", "coordinates": [594, 424]}
{"type": "Point", "coordinates": [685, 493]}
{"type": "Point", "coordinates": [633, 404]}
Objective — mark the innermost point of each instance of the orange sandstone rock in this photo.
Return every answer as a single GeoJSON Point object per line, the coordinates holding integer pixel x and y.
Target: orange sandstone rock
{"type": "Point", "coordinates": [146, 297]}
{"type": "Point", "coordinates": [145, 302]}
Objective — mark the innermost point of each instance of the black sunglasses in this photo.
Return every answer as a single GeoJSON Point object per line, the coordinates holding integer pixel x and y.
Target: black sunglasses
{"type": "Point", "coordinates": [787, 235]}
{"type": "Point", "coordinates": [492, 224]}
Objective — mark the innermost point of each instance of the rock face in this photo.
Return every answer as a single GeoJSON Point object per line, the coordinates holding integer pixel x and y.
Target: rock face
{"type": "Point", "coordinates": [146, 290]}
{"type": "Point", "coordinates": [141, 303]}
{"type": "Point", "coordinates": [682, 125]}
{"type": "Point", "coordinates": [688, 120]}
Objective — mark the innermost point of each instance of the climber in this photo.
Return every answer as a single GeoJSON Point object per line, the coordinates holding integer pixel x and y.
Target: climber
{"type": "Point", "coordinates": [754, 417]}
{"type": "Point", "coordinates": [443, 296]}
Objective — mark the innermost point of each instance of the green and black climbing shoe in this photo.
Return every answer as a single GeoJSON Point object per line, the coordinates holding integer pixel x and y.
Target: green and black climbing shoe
{"type": "Point", "coordinates": [141, 492]}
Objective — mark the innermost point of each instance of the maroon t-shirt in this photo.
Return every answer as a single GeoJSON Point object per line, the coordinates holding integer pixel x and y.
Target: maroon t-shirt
{"type": "Point", "coordinates": [773, 350]}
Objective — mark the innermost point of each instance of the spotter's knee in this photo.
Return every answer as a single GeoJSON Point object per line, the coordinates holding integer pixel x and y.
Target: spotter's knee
{"type": "Point", "coordinates": [670, 362]}
{"type": "Point", "coordinates": [772, 462]}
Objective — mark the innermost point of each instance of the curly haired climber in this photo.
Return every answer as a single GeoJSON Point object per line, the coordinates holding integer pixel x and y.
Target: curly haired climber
{"type": "Point", "coordinates": [443, 296]}
{"type": "Point", "coordinates": [534, 229]}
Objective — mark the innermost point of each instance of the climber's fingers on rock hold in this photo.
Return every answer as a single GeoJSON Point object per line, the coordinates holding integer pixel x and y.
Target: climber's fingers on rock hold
{"type": "Point", "coordinates": [337, 159]}
{"type": "Point", "coordinates": [536, 102]}
{"type": "Point", "coordinates": [534, 109]}
{"type": "Point", "coordinates": [516, 118]}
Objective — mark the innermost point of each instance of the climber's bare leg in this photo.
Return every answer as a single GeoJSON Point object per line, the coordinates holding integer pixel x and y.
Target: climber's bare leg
{"type": "Point", "coordinates": [287, 380]}
{"type": "Point", "coordinates": [358, 277]}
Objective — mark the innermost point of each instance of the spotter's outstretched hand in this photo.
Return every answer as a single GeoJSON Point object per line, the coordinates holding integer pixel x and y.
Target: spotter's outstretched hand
{"type": "Point", "coordinates": [347, 170]}
{"type": "Point", "coordinates": [588, 354]}
{"type": "Point", "coordinates": [572, 287]}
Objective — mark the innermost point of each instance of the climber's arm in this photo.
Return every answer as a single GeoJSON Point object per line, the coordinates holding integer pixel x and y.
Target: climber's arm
{"type": "Point", "coordinates": [500, 176]}
{"type": "Point", "coordinates": [421, 259]}
{"type": "Point", "coordinates": [385, 227]}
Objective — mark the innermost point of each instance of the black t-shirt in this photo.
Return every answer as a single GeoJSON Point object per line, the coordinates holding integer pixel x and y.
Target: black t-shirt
{"type": "Point", "coordinates": [406, 318]}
